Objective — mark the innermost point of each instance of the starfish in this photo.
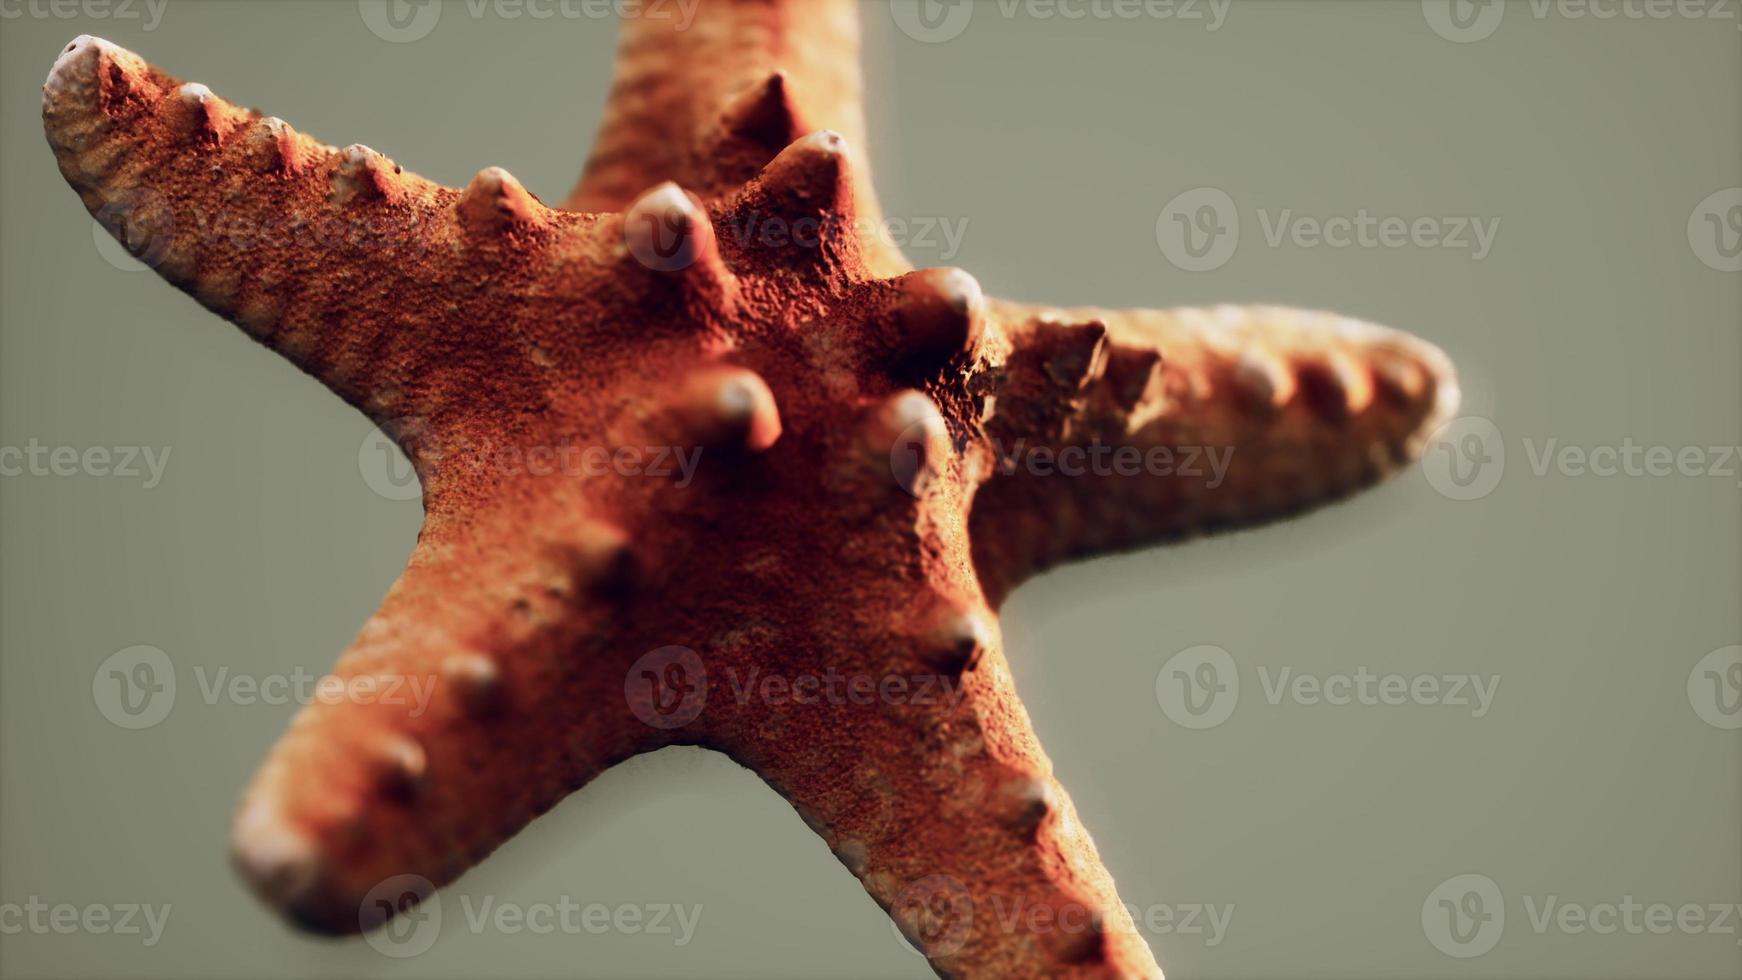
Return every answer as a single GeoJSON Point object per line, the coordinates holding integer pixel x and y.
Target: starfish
{"type": "Point", "coordinates": [855, 516]}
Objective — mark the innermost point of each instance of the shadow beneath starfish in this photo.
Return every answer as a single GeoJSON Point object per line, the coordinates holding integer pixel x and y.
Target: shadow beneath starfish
{"type": "Point", "coordinates": [688, 825]}
{"type": "Point", "coordinates": [654, 780]}
{"type": "Point", "coordinates": [1147, 571]}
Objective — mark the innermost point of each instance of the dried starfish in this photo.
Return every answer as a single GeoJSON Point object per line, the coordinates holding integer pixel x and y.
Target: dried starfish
{"type": "Point", "coordinates": [707, 286]}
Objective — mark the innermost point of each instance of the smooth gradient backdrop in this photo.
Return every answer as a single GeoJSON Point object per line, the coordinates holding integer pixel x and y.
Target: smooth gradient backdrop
{"type": "Point", "coordinates": [1556, 170]}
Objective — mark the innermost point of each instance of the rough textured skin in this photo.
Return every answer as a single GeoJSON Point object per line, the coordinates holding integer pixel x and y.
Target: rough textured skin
{"type": "Point", "coordinates": [850, 517]}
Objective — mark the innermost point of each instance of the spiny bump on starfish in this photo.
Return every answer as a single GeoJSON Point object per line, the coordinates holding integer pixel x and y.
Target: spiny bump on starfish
{"type": "Point", "coordinates": [1076, 352]}
{"type": "Point", "coordinates": [476, 680]}
{"type": "Point", "coordinates": [939, 316]}
{"type": "Point", "coordinates": [1334, 386]}
{"type": "Point", "coordinates": [274, 148]}
{"type": "Point", "coordinates": [799, 208]}
{"type": "Point", "coordinates": [1026, 801]}
{"type": "Point", "coordinates": [907, 436]}
{"type": "Point", "coordinates": [400, 766]}
{"type": "Point", "coordinates": [365, 174]}
{"type": "Point", "coordinates": [813, 170]}
{"type": "Point", "coordinates": [1264, 383]}
{"type": "Point", "coordinates": [495, 202]}
{"type": "Point", "coordinates": [204, 117]}
{"type": "Point", "coordinates": [755, 126]}
{"type": "Point", "coordinates": [956, 637]}
{"type": "Point", "coordinates": [1085, 943]}
{"type": "Point", "coordinates": [1133, 376]}
{"type": "Point", "coordinates": [729, 409]}
{"type": "Point", "coordinates": [604, 559]}
{"type": "Point", "coordinates": [667, 230]}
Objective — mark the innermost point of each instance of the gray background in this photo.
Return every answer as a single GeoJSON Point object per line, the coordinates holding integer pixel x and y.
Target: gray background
{"type": "Point", "coordinates": [1592, 320]}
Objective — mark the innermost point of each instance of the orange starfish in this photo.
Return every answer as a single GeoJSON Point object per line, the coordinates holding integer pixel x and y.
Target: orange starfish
{"type": "Point", "coordinates": [884, 454]}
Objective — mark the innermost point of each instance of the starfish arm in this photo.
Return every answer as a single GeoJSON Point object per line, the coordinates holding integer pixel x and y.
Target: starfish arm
{"type": "Point", "coordinates": [1183, 421]}
{"type": "Point", "coordinates": [940, 799]}
{"type": "Point", "coordinates": [350, 267]}
{"type": "Point", "coordinates": [465, 707]}
{"type": "Point", "coordinates": [709, 103]}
